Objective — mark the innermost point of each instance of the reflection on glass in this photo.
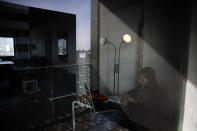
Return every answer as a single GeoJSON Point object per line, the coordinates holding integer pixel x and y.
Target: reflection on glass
{"type": "Point", "coordinates": [62, 47]}
{"type": "Point", "coordinates": [6, 46]}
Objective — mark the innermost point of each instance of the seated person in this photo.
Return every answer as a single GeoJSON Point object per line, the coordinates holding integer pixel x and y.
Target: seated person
{"type": "Point", "coordinates": [144, 103]}
{"type": "Point", "coordinates": [146, 91]}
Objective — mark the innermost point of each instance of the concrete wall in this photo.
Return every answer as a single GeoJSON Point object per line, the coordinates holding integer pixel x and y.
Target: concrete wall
{"type": "Point", "coordinates": [165, 36]}
{"type": "Point", "coordinates": [94, 57]}
{"type": "Point", "coordinates": [162, 52]}
{"type": "Point", "coordinates": [190, 108]}
{"type": "Point", "coordinates": [157, 36]}
{"type": "Point", "coordinates": [113, 27]}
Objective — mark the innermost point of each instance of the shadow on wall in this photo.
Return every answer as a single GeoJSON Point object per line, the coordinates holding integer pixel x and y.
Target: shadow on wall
{"type": "Point", "coordinates": [165, 31]}
{"type": "Point", "coordinates": [163, 24]}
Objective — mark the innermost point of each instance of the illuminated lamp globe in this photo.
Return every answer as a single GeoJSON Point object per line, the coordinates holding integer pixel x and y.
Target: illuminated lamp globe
{"type": "Point", "coordinates": [127, 38]}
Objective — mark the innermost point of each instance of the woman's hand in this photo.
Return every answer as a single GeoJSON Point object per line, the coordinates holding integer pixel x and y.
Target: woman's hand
{"type": "Point", "coordinates": [125, 100]}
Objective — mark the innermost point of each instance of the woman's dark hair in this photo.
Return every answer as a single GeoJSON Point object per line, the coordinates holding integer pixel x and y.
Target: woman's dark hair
{"type": "Point", "coordinates": [149, 74]}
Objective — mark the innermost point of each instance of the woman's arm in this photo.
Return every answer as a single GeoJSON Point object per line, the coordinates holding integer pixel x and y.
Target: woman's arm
{"type": "Point", "coordinates": [127, 99]}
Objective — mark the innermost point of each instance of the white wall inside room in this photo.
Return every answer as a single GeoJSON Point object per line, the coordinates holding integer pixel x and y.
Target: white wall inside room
{"type": "Point", "coordinates": [82, 9]}
{"type": "Point", "coordinates": [113, 29]}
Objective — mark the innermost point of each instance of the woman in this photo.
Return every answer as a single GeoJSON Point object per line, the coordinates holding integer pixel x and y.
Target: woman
{"type": "Point", "coordinates": [144, 103]}
{"type": "Point", "coordinates": [146, 90]}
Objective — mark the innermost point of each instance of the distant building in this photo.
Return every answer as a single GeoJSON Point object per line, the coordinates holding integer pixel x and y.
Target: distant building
{"type": "Point", "coordinates": [83, 73]}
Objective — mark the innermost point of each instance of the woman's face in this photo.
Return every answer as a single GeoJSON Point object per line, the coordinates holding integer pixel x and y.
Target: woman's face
{"type": "Point", "coordinates": [143, 81]}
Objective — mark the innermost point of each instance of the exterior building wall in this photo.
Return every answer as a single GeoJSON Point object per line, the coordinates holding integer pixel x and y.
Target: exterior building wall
{"type": "Point", "coordinates": [83, 71]}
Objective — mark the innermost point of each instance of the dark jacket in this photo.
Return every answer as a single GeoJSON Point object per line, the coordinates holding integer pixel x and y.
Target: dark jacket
{"type": "Point", "coordinates": [147, 107]}
{"type": "Point", "coordinates": [146, 97]}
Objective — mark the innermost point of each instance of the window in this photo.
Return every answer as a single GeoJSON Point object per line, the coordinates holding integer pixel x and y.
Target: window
{"type": "Point", "coordinates": [62, 47]}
